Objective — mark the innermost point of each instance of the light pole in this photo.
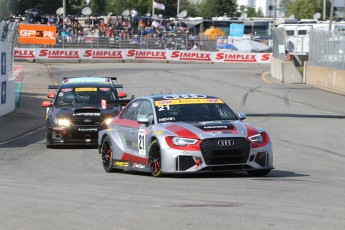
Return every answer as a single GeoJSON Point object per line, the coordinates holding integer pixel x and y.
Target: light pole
{"type": "Point", "coordinates": [178, 7]}
{"type": "Point", "coordinates": [331, 15]}
{"type": "Point", "coordinates": [64, 8]}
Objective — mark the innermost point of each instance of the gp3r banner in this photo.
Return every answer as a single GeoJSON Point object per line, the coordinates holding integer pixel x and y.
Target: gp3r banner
{"type": "Point", "coordinates": [37, 34]}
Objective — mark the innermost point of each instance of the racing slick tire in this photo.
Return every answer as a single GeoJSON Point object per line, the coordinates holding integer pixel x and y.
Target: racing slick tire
{"type": "Point", "coordinates": [258, 173]}
{"type": "Point", "coordinates": [107, 156]}
{"type": "Point", "coordinates": [155, 159]}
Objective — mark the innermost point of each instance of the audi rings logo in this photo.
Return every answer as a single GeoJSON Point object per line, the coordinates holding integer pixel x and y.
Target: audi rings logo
{"type": "Point", "coordinates": [226, 142]}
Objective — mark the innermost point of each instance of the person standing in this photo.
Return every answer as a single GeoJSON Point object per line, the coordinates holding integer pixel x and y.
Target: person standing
{"type": "Point", "coordinates": [134, 14]}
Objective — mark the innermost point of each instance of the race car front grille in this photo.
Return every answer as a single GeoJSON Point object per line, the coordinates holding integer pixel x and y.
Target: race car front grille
{"type": "Point", "coordinates": [86, 122]}
{"type": "Point", "coordinates": [223, 151]}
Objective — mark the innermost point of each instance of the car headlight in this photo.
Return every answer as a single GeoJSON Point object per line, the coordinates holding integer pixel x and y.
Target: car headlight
{"type": "Point", "coordinates": [256, 138]}
{"type": "Point", "coordinates": [183, 141]}
{"type": "Point", "coordinates": [107, 121]}
{"type": "Point", "coordinates": [62, 122]}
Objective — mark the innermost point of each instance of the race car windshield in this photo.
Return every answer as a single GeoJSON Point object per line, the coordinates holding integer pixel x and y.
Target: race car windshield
{"type": "Point", "coordinates": [194, 112]}
{"type": "Point", "coordinates": [84, 97]}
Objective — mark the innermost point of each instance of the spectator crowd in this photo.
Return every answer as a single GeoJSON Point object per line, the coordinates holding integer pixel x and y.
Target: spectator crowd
{"type": "Point", "coordinates": [137, 29]}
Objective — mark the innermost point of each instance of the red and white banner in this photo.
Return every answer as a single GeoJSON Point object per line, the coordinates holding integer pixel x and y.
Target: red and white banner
{"type": "Point", "coordinates": [140, 54]}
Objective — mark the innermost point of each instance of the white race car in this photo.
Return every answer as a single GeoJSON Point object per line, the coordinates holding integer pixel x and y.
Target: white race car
{"type": "Point", "coordinates": [183, 133]}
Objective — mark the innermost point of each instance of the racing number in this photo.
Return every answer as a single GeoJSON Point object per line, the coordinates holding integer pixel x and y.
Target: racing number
{"type": "Point", "coordinates": [141, 142]}
{"type": "Point", "coordinates": [163, 107]}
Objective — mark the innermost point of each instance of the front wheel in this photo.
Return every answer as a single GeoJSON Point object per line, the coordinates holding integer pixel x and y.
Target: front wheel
{"type": "Point", "coordinates": [258, 173]}
{"type": "Point", "coordinates": [107, 156]}
{"type": "Point", "coordinates": [155, 160]}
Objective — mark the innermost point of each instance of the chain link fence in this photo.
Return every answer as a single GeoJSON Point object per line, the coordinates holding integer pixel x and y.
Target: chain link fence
{"type": "Point", "coordinates": [279, 43]}
{"type": "Point", "coordinates": [327, 49]}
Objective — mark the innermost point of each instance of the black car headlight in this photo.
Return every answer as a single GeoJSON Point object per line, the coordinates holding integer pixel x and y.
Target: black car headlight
{"type": "Point", "coordinates": [62, 122]}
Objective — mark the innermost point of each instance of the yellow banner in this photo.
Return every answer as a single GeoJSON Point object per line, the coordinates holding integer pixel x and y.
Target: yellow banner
{"type": "Point", "coordinates": [189, 101]}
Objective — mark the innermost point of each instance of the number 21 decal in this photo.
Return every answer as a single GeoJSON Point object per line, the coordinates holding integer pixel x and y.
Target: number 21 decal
{"type": "Point", "coordinates": [141, 142]}
{"type": "Point", "coordinates": [163, 107]}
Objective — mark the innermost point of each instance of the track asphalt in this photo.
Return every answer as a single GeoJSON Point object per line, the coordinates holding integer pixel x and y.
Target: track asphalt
{"type": "Point", "coordinates": [29, 114]}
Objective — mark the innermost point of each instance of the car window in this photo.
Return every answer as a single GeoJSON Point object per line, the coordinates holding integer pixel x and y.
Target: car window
{"type": "Point", "coordinates": [131, 111]}
{"type": "Point", "coordinates": [85, 96]}
{"type": "Point", "coordinates": [194, 112]}
{"type": "Point", "coordinates": [145, 108]}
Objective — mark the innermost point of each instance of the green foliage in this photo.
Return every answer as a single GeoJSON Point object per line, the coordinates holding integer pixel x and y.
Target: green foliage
{"type": "Point", "coordinates": [212, 8]}
{"type": "Point", "coordinates": [303, 8]}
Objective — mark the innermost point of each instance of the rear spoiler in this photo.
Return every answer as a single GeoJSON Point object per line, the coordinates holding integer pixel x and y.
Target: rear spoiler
{"type": "Point", "coordinates": [53, 87]}
{"type": "Point", "coordinates": [118, 86]}
{"type": "Point", "coordinates": [112, 78]}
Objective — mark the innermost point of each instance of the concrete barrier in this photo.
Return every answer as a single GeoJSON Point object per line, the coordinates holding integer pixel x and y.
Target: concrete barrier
{"type": "Point", "coordinates": [328, 78]}
{"type": "Point", "coordinates": [285, 71]}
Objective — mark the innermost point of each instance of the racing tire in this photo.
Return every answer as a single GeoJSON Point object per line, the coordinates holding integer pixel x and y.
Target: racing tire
{"type": "Point", "coordinates": [258, 173]}
{"type": "Point", "coordinates": [155, 159]}
{"type": "Point", "coordinates": [107, 156]}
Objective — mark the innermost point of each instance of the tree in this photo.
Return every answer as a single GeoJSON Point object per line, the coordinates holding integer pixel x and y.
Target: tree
{"type": "Point", "coordinates": [303, 8]}
{"type": "Point", "coordinates": [211, 8]}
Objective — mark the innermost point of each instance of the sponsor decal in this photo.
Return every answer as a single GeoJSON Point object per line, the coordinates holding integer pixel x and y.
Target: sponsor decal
{"type": "Point", "coordinates": [87, 130]}
{"type": "Point", "coordinates": [184, 96]}
{"type": "Point", "coordinates": [139, 166]}
{"type": "Point", "coordinates": [103, 54]}
{"type": "Point", "coordinates": [104, 89]}
{"type": "Point", "coordinates": [217, 127]}
{"type": "Point", "coordinates": [58, 53]}
{"type": "Point", "coordinates": [191, 56]}
{"type": "Point", "coordinates": [87, 114]}
{"type": "Point", "coordinates": [187, 101]}
{"type": "Point", "coordinates": [104, 104]}
{"type": "Point", "coordinates": [66, 90]}
{"type": "Point", "coordinates": [144, 54]}
{"type": "Point", "coordinates": [165, 119]}
{"type": "Point", "coordinates": [85, 89]}
{"type": "Point", "coordinates": [159, 132]}
{"type": "Point", "coordinates": [120, 163]}
{"type": "Point", "coordinates": [24, 53]}
{"type": "Point", "coordinates": [87, 140]}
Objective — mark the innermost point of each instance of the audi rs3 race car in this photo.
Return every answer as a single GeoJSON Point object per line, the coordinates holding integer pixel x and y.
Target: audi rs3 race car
{"type": "Point", "coordinates": [183, 133]}
{"type": "Point", "coordinates": [81, 108]}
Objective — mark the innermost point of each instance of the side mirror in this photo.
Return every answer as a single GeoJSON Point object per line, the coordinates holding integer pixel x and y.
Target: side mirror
{"type": "Point", "coordinates": [122, 94]}
{"type": "Point", "coordinates": [51, 95]}
{"type": "Point", "coordinates": [143, 119]}
{"type": "Point", "coordinates": [242, 116]}
{"type": "Point", "coordinates": [46, 103]}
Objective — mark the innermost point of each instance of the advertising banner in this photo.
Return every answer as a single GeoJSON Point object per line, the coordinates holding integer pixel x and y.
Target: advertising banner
{"type": "Point", "coordinates": [37, 34]}
{"type": "Point", "coordinates": [134, 54]}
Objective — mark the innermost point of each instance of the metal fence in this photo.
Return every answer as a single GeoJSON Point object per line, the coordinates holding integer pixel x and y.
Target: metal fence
{"type": "Point", "coordinates": [174, 41]}
{"type": "Point", "coordinates": [8, 32]}
{"type": "Point", "coordinates": [279, 43]}
{"type": "Point", "coordinates": [327, 49]}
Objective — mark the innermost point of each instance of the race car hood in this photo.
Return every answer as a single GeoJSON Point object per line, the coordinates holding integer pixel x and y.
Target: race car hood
{"type": "Point", "coordinates": [87, 112]}
{"type": "Point", "coordinates": [208, 129]}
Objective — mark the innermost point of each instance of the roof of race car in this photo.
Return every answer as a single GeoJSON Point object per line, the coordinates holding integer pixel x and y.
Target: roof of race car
{"type": "Point", "coordinates": [87, 79]}
{"type": "Point", "coordinates": [174, 99]}
{"type": "Point", "coordinates": [160, 97]}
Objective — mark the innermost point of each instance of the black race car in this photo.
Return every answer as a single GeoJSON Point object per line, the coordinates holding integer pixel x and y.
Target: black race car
{"type": "Point", "coordinates": [82, 106]}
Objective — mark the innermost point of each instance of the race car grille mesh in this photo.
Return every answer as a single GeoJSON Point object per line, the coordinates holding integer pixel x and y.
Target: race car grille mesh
{"type": "Point", "coordinates": [235, 153]}
{"type": "Point", "coordinates": [86, 122]}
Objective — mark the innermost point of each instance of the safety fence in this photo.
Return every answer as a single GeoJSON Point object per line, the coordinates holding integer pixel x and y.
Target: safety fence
{"type": "Point", "coordinates": [138, 54]}
{"type": "Point", "coordinates": [8, 32]}
{"type": "Point", "coordinates": [327, 49]}
{"type": "Point", "coordinates": [279, 43]}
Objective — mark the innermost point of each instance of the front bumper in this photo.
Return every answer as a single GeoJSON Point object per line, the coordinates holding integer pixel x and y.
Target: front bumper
{"type": "Point", "coordinates": [73, 135]}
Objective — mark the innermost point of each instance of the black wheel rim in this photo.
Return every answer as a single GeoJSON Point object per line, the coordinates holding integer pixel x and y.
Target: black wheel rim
{"type": "Point", "coordinates": [106, 154]}
{"type": "Point", "coordinates": [155, 160]}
